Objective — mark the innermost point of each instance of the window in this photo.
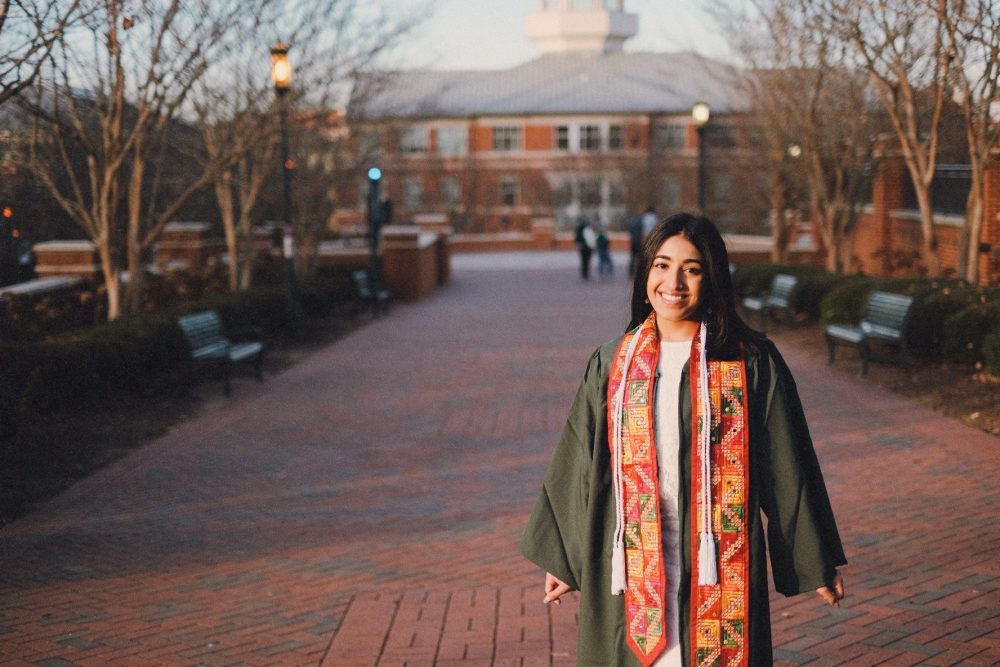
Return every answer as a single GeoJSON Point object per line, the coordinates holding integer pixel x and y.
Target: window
{"type": "Point", "coordinates": [413, 194]}
{"type": "Point", "coordinates": [720, 136]}
{"type": "Point", "coordinates": [453, 140]}
{"type": "Point", "coordinates": [583, 4]}
{"type": "Point", "coordinates": [616, 137]}
{"type": "Point", "coordinates": [506, 138]}
{"type": "Point", "coordinates": [451, 191]}
{"type": "Point", "coordinates": [669, 135]}
{"type": "Point", "coordinates": [413, 140]}
{"type": "Point", "coordinates": [562, 137]}
{"type": "Point", "coordinates": [369, 142]}
{"type": "Point", "coordinates": [508, 192]}
{"type": "Point", "coordinates": [590, 138]}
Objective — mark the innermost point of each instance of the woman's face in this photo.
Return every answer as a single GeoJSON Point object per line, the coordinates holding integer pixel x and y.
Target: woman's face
{"type": "Point", "coordinates": [674, 286]}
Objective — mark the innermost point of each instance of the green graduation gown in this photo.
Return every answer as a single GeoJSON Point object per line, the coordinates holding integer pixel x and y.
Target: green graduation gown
{"type": "Point", "coordinates": [571, 530]}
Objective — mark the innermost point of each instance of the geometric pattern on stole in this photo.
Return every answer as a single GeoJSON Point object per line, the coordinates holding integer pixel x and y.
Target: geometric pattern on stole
{"type": "Point", "coordinates": [645, 591]}
{"type": "Point", "coordinates": [719, 613]}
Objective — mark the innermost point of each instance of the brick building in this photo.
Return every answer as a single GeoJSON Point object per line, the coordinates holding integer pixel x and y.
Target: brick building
{"type": "Point", "coordinates": [585, 129]}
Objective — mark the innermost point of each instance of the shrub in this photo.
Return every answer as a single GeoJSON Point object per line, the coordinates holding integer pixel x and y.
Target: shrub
{"type": "Point", "coordinates": [814, 282]}
{"type": "Point", "coordinates": [845, 301]}
{"type": "Point", "coordinates": [925, 327]}
{"type": "Point", "coordinates": [753, 279]}
{"type": "Point", "coordinates": [808, 295]}
{"type": "Point", "coordinates": [83, 369]}
{"type": "Point", "coordinates": [965, 331]}
{"type": "Point", "coordinates": [991, 353]}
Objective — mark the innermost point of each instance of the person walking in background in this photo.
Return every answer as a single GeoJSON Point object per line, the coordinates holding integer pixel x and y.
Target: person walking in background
{"type": "Point", "coordinates": [605, 267]}
{"type": "Point", "coordinates": [635, 242]}
{"type": "Point", "coordinates": [586, 240]}
{"type": "Point", "coordinates": [683, 432]}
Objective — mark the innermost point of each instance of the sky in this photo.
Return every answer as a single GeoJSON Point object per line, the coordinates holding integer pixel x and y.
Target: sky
{"type": "Point", "coordinates": [488, 34]}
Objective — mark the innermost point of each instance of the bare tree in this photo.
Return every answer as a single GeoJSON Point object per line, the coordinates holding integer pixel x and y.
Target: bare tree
{"type": "Point", "coordinates": [332, 43]}
{"type": "Point", "coordinates": [116, 87]}
{"type": "Point", "coordinates": [28, 31]}
{"type": "Point", "coordinates": [973, 32]}
{"type": "Point", "coordinates": [906, 51]}
{"type": "Point", "coordinates": [812, 110]}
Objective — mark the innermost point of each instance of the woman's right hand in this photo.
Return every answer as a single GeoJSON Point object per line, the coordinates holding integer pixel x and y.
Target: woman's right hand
{"type": "Point", "coordinates": [555, 589]}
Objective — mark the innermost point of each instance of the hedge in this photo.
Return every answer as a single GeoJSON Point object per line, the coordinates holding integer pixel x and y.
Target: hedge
{"type": "Point", "coordinates": [965, 331]}
{"type": "Point", "coordinates": [142, 352]}
{"type": "Point", "coordinates": [831, 298]}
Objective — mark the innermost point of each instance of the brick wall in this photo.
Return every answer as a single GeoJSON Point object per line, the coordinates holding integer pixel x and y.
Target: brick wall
{"type": "Point", "coordinates": [888, 238]}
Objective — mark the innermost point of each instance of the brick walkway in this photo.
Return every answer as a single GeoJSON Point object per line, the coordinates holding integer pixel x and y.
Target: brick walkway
{"type": "Point", "coordinates": [363, 508]}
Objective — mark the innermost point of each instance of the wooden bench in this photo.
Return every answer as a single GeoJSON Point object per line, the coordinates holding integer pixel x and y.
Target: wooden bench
{"type": "Point", "coordinates": [207, 342]}
{"type": "Point", "coordinates": [883, 322]}
{"type": "Point", "coordinates": [777, 298]}
{"type": "Point", "coordinates": [378, 298]}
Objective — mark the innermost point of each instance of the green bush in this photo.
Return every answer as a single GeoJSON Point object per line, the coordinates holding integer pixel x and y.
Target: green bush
{"type": "Point", "coordinates": [320, 293]}
{"type": "Point", "coordinates": [809, 292]}
{"type": "Point", "coordinates": [965, 331]}
{"type": "Point", "coordinates": [991, 353]}
{"type": "Point", "coordinates": [925, 332]}
{"type": "Point", "coordinates": [844, 302]}
{"type": "Point", "coordinates": [90, 366]}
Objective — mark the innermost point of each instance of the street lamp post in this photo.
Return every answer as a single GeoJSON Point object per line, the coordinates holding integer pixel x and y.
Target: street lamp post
{"type": "Point", "coordinates": [700, 113]}
{"type": "Point", "coordinates": [281, 74]}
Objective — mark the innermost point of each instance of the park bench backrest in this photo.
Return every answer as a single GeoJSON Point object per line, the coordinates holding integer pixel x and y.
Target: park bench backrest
{"type": "Point", "coordinates": [202, 329]}
{"type": "Point", "coordinates": [886, 313]}
{"type": "Point", "coordinates": [782, 286]}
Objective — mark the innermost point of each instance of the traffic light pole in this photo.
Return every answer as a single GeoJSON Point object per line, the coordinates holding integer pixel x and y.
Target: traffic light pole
{"type": "Point", "coordinates": [375, 225]}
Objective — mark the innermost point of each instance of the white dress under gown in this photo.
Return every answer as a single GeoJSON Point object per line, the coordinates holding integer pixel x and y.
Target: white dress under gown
{"type": "Point", "coordinates": [673, 356]}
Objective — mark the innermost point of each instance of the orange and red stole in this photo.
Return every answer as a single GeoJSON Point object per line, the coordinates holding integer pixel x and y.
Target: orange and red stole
{"type": "Point", "coordinates": [718, 611]}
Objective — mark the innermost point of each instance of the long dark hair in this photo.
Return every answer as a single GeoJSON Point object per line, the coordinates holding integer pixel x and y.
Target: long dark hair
{"type": "Point", "coordinates": [717, 302]}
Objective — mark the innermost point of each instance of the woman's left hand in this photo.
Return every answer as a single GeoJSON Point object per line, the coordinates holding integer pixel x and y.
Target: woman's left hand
{"type": "Point", "coordinates": [833, 592]}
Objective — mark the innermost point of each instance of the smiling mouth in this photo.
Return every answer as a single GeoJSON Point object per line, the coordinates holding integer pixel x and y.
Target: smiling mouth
{"type": "Point", "coordinates": [673, 298]}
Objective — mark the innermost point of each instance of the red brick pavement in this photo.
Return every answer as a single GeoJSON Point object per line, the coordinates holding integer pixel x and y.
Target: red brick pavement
{"type": "Point", "coordinates": [363, 508]}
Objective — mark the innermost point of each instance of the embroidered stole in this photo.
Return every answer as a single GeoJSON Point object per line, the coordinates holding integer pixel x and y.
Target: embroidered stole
{"type": "Point", "coordinates": [719, 612]}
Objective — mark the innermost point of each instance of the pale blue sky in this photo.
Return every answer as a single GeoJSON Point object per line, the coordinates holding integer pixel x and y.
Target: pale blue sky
{"type": "Point", "coordinates": [486, 34]}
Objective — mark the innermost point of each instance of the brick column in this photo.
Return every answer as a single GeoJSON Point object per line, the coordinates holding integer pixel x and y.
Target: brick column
{"type": "Point", "coordinates": [67, 258]}
{"type": "Point", "coordinates": [409, 262]}
{"type": "Point", "coordinates": [187, 245]}
{"type": "Point", "coordinates": [989, 260]}
{"type": "Point", "coordinates": [887, 196]}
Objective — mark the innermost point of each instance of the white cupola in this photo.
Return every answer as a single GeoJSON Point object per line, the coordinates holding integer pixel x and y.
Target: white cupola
{"type": "Point", "coordinates": [581, 26]}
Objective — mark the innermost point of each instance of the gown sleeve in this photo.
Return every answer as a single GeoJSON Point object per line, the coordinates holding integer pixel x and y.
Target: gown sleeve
{"type": "Point", "coordinates": [554, 534]}
{"type": "Point", "coordinates": [802, 535]}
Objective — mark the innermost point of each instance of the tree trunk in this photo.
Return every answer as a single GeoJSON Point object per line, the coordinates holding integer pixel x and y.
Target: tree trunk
{"type": "Point", "coordinates": [224, 198]}
{"type": "Point", "coordinates": [134, 246]}
{"type": "Point", "coordinates": [112, 282]}
{"type": "Point", "coordinates": [928, 234]}
{"type": "Point", "coordinates": [249, 251]}
{"type": "Point", "coordinates": [968, 256]}
{"type": "Point", "coordinates": [779, 224]}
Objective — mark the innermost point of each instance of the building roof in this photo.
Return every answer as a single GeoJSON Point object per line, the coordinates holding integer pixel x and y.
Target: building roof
{"type": "Point", "coordinates": [614, 83]}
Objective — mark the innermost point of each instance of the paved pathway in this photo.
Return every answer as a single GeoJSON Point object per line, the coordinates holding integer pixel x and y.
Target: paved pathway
{"type": "Point", "coordinates": [363, 508]}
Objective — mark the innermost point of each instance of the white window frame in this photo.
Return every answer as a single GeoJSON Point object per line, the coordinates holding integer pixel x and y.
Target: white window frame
{"type": "Point", "coordinates": [507, 138]}
{"type": "Point", "coordinates": [452, 140]}
{"type": "Point", "coordinates": [414, 139]}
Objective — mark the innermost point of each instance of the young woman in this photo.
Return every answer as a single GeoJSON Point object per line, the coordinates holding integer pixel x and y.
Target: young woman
{"type": "Point", "coordinates": [681, 434]}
